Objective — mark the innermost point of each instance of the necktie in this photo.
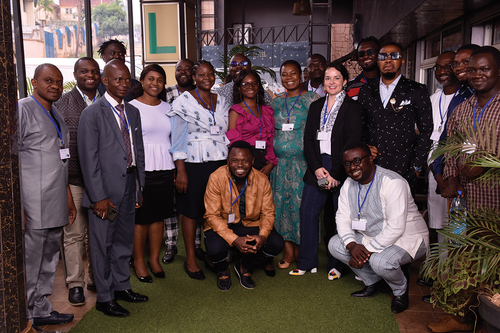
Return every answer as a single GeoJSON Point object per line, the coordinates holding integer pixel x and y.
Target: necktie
{"type": "Point", "coordinates": [125, 134]}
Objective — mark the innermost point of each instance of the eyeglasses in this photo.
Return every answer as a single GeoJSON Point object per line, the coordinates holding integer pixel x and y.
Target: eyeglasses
{"type": "Point", "coordinates": [392, 55]}
{"type": "Point", "coordinates": [356, 161]}
{"type": "Point", "coordinates": [447, 68]}
{"type": "Point", "coordinates": [241, 63]}
{"type": "Point", "coordinates": [368, 53]}
{"type": "Point", "coordinates": [254, 84]}
{"type": "Point", "coordinates": [463, 62]}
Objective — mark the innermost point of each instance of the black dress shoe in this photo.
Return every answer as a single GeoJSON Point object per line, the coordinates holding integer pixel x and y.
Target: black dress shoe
{"type": "Point", "coordinates": [198, 275]}
{"type": "Point", "coordinates": [76, 297]}
{"type": "Point", "coordinates": [424, 283]}
{"type": "Point", "coordinates": [399, 303]}
{"type": "Point", "coordinates": [200, 254]}
{"type": "Point", "coordinates": [426, 298]}
{"type": "Point", "coordinates": [160, 274]}
{"type": "Point", "coordinates": [270, 272]}
{"type": "Point", "coordinates": [111, 308]}
{"type": "Point", "coordinates": [224, 280]}
{"type": "Point", "coordinates": [145, 279]}
{"type": "Point", "coordinates": [130, 296]}
{"type": "Point", "coordinates": [55, 318]}
{"type": "Point", "coordinates": [168, 257]}
{"type": "Point", "coordinates": [244, 276]}
{"type": "Point", "coordinates": [370, 290]}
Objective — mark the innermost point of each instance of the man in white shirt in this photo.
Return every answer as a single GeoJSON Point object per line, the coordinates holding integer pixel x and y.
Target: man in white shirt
{"type": "Point", "coordinates": [379, 226]}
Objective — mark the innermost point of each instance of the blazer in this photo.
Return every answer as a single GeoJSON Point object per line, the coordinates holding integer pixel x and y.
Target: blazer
{"type": "Point", "coordinates": [347, 128]}
{"type": "Point", "coordinates": [393, 132]}
{"type": "Point", "coordinates": [71, 105]}
{"type": "Point", "coordinates": [103, 156]}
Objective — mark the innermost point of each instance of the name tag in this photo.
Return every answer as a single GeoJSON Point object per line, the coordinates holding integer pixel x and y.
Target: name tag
{"type": "Point", "coordinates": [230, 218]}
{"type": "Point", "coordinates": [359, 224]}
{"type": "Point", "coordinates": [64, 153]}
{"type": "Point", "coordinates": [214, 130]}
{"type": "Point", "coordinates": [287, 127]}
{"type": "Point", "coordinates": [259, 144]}
{"type": "Point", "coordinates": [322, 136]}
{"type": "Point", "coordinates": [435, 135]}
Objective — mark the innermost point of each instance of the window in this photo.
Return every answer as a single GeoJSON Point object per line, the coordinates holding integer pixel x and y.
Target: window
{"type": "Point", "coordinates": [496, 31]}
{"type": "Point", "coordinates": [432, 47]}
{"type": "Point", "coordinates": [448, 40]}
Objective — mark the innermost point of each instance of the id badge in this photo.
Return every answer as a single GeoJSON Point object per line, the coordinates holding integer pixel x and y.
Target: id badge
{"type": "Point", "coordinates": [259, 144]}
{"type": "Point", "coordinates": [435, 135]}
{"type": "Point", "coordinates": [359, 224]}
{"type": "Point", "coordinates": [214, 130]}
{"type": "Point", "coordinates": [64, 153]}
{"type": "Point", "coordinates": [321, 136]}
{"type": "Point", "coordinates": [230, 218]}
{"type": "Point", "coordinates": [287, 127]}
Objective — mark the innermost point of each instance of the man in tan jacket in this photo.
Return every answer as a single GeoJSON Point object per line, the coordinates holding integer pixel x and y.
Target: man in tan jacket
{"type": "Point", "coordinates": [240, 214]}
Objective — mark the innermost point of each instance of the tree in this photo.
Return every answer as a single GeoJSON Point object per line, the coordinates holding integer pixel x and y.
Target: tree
{"type": "Point", "coordinates": [111, 18]}
{"type": "Point", "coordinates": [46, 4]}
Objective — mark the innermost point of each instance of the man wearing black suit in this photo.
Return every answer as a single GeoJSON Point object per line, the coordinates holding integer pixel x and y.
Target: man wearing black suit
{"type": "Point", "coordinates": [392, 107]}
{"type": "Point", "coordinates": [111, 154]}
{"type": "Point", "coordinates": [316, 65]}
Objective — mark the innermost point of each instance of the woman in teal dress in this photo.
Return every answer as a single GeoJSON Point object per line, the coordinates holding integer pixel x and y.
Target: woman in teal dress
{"type": "Point", "coordinates": [290, 115]}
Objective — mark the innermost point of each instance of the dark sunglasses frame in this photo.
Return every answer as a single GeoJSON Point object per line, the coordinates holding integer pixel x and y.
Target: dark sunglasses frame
{"type": "Point", "coordinates": [241, 63]}
{"type": "Point", "coordinates": [368, 53]}
{"type": "Point", "coordinates": [248, 84]}
{"type": "Point", "coordinates": [356, 161]}
{"type": "Point", "coordinates": [392, 55]}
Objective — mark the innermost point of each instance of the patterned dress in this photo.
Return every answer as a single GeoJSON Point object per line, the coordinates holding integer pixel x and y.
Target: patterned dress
{"type": "Point", "coordinates": [286, 178]}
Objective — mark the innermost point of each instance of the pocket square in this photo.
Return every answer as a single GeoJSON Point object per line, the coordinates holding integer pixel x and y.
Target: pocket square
{"type": "Point", "coordinates": [405, 102]}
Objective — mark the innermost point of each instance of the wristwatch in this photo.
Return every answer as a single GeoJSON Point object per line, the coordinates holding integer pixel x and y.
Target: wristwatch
{"type": "Point", "coordinates": [417, 169]}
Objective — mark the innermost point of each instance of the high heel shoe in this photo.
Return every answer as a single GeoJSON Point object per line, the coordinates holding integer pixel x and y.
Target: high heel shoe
{"type": "Point", "coordinates": [298, 272]}
{"type": "Point", "coordinates": [159, 275]}
{"type": "Point", "coordinates": [146, 279]}
{"type": "Point", "coordinates": [198, 275]}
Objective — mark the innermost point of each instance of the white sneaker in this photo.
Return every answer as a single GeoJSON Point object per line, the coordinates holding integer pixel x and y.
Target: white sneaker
{"type": "Point", "coordinates": [334, 274]}
{"type": "Point", "coordinates": [358, 278]}
{"type": "Point", "coordinates": [298, 272]}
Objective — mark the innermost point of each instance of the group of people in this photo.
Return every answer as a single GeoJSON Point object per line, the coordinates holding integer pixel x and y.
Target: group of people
{"type": "Point", "coordinates": [121, 160]}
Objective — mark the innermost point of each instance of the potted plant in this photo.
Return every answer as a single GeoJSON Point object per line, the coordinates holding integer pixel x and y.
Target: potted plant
{"type": "Point", "coordinates": [467, 264]}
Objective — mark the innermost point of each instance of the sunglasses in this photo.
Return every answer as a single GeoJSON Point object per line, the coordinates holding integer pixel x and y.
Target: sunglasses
{"type": "Point", "coordinates": [241, 63]}
{"type": "Point", "coordinates": [254, 84]}
{"type": "Point", "coordinates": [356, 161]}
{"type": "Point", "coordinates": [446, 68]}
{"type": "Point", "coordinates": [368, 53]}
{"type": "Point", "coordinates": [392, 55]}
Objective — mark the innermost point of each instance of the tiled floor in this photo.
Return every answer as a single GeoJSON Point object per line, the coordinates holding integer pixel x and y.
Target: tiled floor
{"type": "Point", "coordinates": [413, 320]}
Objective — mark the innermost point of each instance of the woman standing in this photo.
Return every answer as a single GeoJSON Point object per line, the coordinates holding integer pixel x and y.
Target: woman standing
{"type": "Point", "coordinates": [252, 121]}
{"type": "Point", "coordinates": [199, 147]}
{"type": "Point", "coordinates": [159, 187]}
{"type": "Point", "coordinates": [333, 121]}
{"type": "Point", "coordinates": [286, 179]}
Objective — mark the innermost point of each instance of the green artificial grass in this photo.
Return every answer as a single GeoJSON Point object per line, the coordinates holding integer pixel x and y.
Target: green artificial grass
{"type": "Point", "coordinates": [284, 303]}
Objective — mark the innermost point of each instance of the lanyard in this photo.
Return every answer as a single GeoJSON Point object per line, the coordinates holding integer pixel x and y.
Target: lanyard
{"type": "Point", "coordinates": [89, 98]}
{"type": "Point", "coordinates": [364, 78]}
{"type": "Point", "coordinates": [286, 106]}
{"type": "Point", "coordinates": [326, 115]}
{"type": "Point", "coordinates": [258, 114]}
{"type": "Point", "coordinates": [206, 107]}
{"type": "Point", "coordinates": [59, 132]}
{"type": "Point", "coordinates": [440, 112]}
{"type": "Point", "coordinates": [118, 114]}
{"type": "Point", "coordinates": [239, 195]}
{"type": "Point", "coordinates": [366, 195]}
{"type": "Point", "coordinates": [481, 113]}
{"type": "Point", "coordinates": [178, 92]}
{"type": "Point", "coordinates": [313, 87]}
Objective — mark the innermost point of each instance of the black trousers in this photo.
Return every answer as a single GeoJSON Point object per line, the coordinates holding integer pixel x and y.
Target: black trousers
{"type": "Point", "coordinates": [217, 248]}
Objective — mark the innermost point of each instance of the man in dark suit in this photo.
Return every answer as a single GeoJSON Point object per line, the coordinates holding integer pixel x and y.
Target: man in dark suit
{"type": "Point", "coordinates": [71, 105]}
{"type": "Point", "coordinates": [111, 154]}
{"type": "Point", "coordinates": [392, 107]}
{"type": "Point", "coordinates": [316, 65]}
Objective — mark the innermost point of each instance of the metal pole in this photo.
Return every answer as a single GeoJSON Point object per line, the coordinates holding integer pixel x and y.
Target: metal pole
{"type": "Point", "coordinates": [88, 28]}
{"type": "Point", "coordinates": [243, 22]}
{"type": "Point", "coordinates": [182, 22]}
{"type": "Point", "coordinates": [198, 29]}
{"type": "Point", "coordinates": [225, 35]}
{"type": "Point", "coordinates": [18, 38]}
{"type": "Point", "coordinates": [131, 38]}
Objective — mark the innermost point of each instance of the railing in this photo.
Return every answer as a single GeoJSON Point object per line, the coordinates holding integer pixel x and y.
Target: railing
{"type": "Point", "coordinates": [256, 35]}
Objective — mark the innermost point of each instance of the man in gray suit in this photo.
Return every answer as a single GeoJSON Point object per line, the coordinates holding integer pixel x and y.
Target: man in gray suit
{"type": "Point", "coordinates": [111, 154]}
{"type": "Point", "coordinates": [43, 140]}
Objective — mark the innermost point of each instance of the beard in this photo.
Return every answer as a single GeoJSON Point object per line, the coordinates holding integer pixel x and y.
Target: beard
{"type": "Point", "coordinates": [370, 68]}
{"type": "Point", "coordinates": [389, 76]}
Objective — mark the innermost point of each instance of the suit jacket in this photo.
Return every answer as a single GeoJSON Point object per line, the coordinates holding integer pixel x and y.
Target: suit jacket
{"type": "Point", "coordinates": [71, 105]}
{"type": "Point", "coordinates": [347, 128]}
{"type": "Point", "coordinates": [103, 156]}
{"type": "Point", "coordinates": [43, 175]}
{"type": "Point", "coordinates": [393, 133]}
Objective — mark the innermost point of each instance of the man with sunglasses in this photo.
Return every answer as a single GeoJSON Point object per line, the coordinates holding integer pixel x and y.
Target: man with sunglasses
{"type": "Point", "coordinates": [367, 54]}
{"type": "Point", "coordinates": [392, 107]}
{"type": "Point", "coordinates": [238, 63]}
{"type": "Point", "coordinates": [379, 226]}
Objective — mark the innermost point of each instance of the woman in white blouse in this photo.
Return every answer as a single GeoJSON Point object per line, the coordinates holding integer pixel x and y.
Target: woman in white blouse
{"type": "Point", "coordinates": [159, 190]}
{"type": "Point", "coordinates": [199, 147]}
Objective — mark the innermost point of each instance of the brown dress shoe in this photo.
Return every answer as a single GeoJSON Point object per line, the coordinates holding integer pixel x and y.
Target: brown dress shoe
{"type": "Point", "coordinates": [449, 324]}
